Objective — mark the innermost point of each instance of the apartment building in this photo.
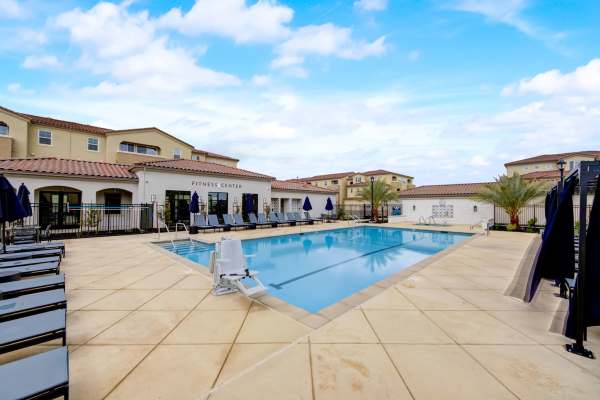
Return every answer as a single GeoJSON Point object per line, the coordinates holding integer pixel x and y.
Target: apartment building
{"type": "Point", "coordinates": [31, 136]}
{"type": "Point", "coordinates": [350, 184]}
{"type": "Point", "coordinates": [545, 166]}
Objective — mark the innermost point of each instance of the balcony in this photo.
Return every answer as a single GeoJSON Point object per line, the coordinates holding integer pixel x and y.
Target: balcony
{"type": "Point", "coordinates": [125, 157]}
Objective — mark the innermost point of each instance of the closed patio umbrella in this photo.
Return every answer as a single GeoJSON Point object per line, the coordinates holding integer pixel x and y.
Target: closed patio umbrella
{"type": "Point", "coordinates": [10, 207]}
{"type": "Point", "coordinates": [23, 195]}
{"type": "Point", "coordinates": [329, 205]}
{"type": "Point", "coordinates": [194, 204]}
{"type": "Point", "coordinates": [307, 206]}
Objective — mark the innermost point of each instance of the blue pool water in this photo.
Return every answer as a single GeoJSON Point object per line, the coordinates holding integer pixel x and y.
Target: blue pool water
{"type": "Point", "coordinates": [314, 270]}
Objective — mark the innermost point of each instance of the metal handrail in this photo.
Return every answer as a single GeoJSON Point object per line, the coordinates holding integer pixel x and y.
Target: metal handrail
{"type": "Point", "coordinates": [185, 229]}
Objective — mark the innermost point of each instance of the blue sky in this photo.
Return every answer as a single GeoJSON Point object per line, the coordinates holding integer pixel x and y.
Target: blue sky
{"type": "Point", "coordinates": [444, 90]}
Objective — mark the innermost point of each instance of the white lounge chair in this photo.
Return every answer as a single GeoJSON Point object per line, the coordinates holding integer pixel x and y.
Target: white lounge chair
{"type": "Point", "coordinates": [229, 268]}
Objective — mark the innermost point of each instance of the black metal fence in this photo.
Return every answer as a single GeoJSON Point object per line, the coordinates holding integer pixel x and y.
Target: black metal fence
{"type": "Point", "coordinates": [363, 211]}
{"type": "Point", "coordinates": [90, 219]}
{"type": "Point", "coordinates": [533, 215]}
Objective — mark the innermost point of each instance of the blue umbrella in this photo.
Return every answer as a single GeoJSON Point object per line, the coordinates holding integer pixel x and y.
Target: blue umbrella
{"type": "Point", "coordinates": [194, 206]}
{"type": "Point", "coordinates": [10, 207]}
{"type": "Point", "coordinates": [329, 205]}
{"type": "Point", "coordinates": [307, 206]}
{"type": "Point", "coordinates": [23, 195]}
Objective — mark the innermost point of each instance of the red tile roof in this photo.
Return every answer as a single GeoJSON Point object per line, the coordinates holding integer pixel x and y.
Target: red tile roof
{"type": "Point", "coordinates": [452, 190]}
{"type": "Point", "coordinates": [215, 155]}
{"type": "Point", "coordinates": [383, 172]}
{"type": "Point", "coordinates": [59, 166]}
{"type": "Point", "coordinates": [322, 177]}
{"type": "Point", "coordinates": [202, 167]}
{"type": "Point", "coordinates": [553, 157]}
{"type": "Point", "coordinates": [299, 187]}
{"type": "Point", "coordinates": [554, 175]}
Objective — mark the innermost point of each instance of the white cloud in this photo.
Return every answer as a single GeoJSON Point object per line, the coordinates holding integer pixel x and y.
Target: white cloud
{"type": "Point", "coordinates": [583, 80]}
{"type": "Point", "coordinates": [10, 9]}
{"type": "Point", "coordinates": [126, 47]}
{"type": "Point", "coordinates": [479, 161]}
{"type": "Point", "coordinates": [263, 21]}
{"type": "Point", "coordinates": [16, 88]}
{"type": "Point", "coordinates": [324, 40]}
{"type": "Point", "coordinates": [371, 5]}
{"type": "Point", "coordinates": [261, 80]}
{"type": "Point", "coordinates": [41, 61]}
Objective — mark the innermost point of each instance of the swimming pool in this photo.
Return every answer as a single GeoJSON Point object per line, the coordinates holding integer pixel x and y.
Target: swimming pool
{"type": "Point", "coordinates": [316, 269]}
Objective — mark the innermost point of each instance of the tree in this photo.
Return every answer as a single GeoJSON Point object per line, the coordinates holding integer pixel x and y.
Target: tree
{"type": "Point", "coordinates": [382, 193]}
{"type": "Point", "coordinates": [511, 193]}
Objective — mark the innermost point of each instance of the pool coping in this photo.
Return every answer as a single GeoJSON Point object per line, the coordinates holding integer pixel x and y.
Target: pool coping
{"type": "Point", "coordinates": [327, 314]}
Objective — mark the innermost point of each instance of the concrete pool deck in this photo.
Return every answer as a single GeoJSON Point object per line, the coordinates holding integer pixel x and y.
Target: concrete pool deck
{"type": "Point", "coordinates": [142, 325]}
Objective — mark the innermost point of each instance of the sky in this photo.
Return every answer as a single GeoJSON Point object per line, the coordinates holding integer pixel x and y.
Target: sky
{"type": "Point", "coordinates": [446, 91]}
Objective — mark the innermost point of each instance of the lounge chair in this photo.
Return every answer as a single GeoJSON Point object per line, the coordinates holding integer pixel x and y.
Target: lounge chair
{"type": "Point", "coordinates": [200, 223]}
{"type": "Point", "coordinates": [32, 330]}
{"type": "Point", "coordinates": [41, 376]}
{"type": "Point", "coordinates": [19, 248]}
{"type": "Point", "coordinates": [284, 220]}
{"type": "Point", "coordinates": [273, 217]}
{"type": "Point", "coordinates": [254, 221]}
{"type": "Point", "coordinates": [262, 219]}
{"type": "Point", "coordinates": [30, 304]}
{"type": "Point", "coordinates": [309, 218]}
{"type": "Point", "coordinates": [30, 254]}
{"type": "Point", "coordinates": [301, 219]}
{"type": "Point", "coordinates": [37, 269]}
{"type": "Point", "coordinates": [228, 219]}
{"type": "Point", "coordinates": [239, 221]}
{"type": "Point", "coordinates": [229, 268]}
{"type": "Point", "coordinates": [213, 222]}
{"type": "Point", "coordinates": [9, 290]}
{"type": "Point", "coordinates": [29, 261]}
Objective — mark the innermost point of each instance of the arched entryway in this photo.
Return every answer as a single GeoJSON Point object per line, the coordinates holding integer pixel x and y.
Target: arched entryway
{"type": "Point", "coordinates": [116, 213]}
{"type": "Point", "coordinates": [55, 203]}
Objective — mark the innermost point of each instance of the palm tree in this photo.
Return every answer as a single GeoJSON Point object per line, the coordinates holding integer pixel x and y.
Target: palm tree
{"type": "Point", "coordinates": [382, 193]}
{"type": "Point", "coordinates": [511, 193]}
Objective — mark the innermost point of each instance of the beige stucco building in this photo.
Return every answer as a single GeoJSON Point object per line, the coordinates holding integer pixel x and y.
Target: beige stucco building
{"type": "Point", "coordinates": [350, 184]}
{"type": "Point", "coordinates": [545, 166]}
{"type": "Point", "coordinates": [31, 136]}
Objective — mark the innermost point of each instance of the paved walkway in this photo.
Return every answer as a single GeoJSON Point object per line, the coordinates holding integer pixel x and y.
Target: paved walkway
{"type": "Point", "coordinates": [142, 325]}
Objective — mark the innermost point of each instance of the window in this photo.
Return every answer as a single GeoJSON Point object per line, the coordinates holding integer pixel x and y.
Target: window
{"type": "Point", "coordinates": [358, 179]}
{"type": "Point", "coordinates": [177, 154]}
{"type": "Point", "coordinates": [138, 148]}
{"type": "Point", "coordinates": [92, 144]}
{"type": "Point", "coordinates": [442, 211]}
{"type": "Point", "coordinates": [3, 129]}
{"type": "Point", "coordinates": [571, 164]}
{"type": "Point", "coordinates": [45, 138]}
{"type": "Point", "coordinates": [112, 201]}
{"type": "Point", "coordinates": [394, 178]}
{"type": "Point", "coordinates": [334, 182]}
{"type": "Point", "coordinates": [195, 157]}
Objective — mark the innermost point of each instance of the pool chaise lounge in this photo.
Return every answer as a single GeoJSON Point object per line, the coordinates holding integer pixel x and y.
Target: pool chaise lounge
{"type": "Point", "coordinates": [239, 221]}
{"type": "Point", "coordinates": [34, 329]}
{"type": "Point", "coordinates": [213, 222]}
{"type": "Point", "coordinates": [30, 254]}
{"type": "Point", "coordinates": [230, 221]}
{"type": "Point", "coordinates": [309, 218]}
{"type": "Point", "coordinates": [9, 290]}
{"type": "Point", "coordinates": [262, 219]}
{"type": "Point", "coordinates": [19, 248]}
{"type": "Point", "coordinates": [30, 304]}
{"type": "Point", "coordinates": [253, 220]}
{"type": "Point", "coordinates": [41, 376]}
{"type": "Point", "coordinates": [37, 269]}
{"type": "Point", "coordinates": [275, 218]}
{"type": "Point", "coordinates": [200, 223]}
{"type": "Point", "coordinates": [281, 218]}
{"type": "Point", "coordinates": [29, 261]}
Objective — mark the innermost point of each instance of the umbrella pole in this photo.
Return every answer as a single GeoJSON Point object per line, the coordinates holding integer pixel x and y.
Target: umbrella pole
{"type": "Point", "coordinates": [3, 237]}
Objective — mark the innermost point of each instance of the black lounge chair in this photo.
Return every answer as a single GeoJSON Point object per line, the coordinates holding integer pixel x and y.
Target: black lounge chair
{"type": "Point", "coordinates": [30, 254]}
{"type": "Point", "coordinates": [29, 261]}
{"type": "Point", "coordinates": [37, 269]}
{"type": "Point", "coordinates": [228, 219]}
{"type": "Point", "coordinates": [200, 223]}
{"type": "Point", "coordinates": [262, 219]}
{"type": "Point", "coordinates": [19, 248]}
{"type": "Point", "coordinates": [41, 376]}
{"type": "Point", "coordinates": [30, 304]}
{"type": "Point", "coordinates": [254, 221]}
{"type": "Point", "coordinates": [9, 290]}
{"type": "Point", "coordinates": [213, 222]}
{"type": "Point", "coordinates": [32, 330]}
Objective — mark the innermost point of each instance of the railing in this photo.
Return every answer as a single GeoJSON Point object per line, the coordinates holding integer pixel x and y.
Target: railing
{"type": "Point", "coordinates": [363, 211]}
{"type": "Point", "coordinates": [529, 213]}
{"type": "Point", "coordinates": [90, 219]}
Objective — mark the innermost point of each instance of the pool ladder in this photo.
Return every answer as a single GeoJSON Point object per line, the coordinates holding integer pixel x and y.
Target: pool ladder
{"type": "Point", "coordinates": [175, 238]}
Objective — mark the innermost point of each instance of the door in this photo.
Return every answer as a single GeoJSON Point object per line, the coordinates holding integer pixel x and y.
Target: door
{"type": "Point", "coordinates": [177, 207]}
{"type": "Point", "coordinates": [249, 204]}
{"type": "Point", "coordinates": [218, 204]}
{"type": "Point", "coordinates": [54, 209]}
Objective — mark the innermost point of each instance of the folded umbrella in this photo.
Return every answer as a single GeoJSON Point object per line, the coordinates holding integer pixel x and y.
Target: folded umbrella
{"type": "Point", "coordinates": [10, 207]}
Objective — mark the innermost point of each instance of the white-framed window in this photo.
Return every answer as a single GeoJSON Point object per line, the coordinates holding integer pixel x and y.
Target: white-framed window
{"type": "Point", "coordinates": [93, 144]}
{"type": "Point", "coordinates": [3, 129]}
{"type": "Point", "coordinates": [358, 179]}
{"type": "Point", "coordinates": [195, 157]}
{"type": "Point", "coordinates": [177, 153]}
{"type": "Point", "coordinates": [45, 137]}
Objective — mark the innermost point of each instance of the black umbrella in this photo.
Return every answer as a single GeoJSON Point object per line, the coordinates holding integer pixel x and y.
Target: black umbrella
{"type": "Point", "coordinates": [23, 195]}
{"type": "Point", "coordinates": [10, 207]}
